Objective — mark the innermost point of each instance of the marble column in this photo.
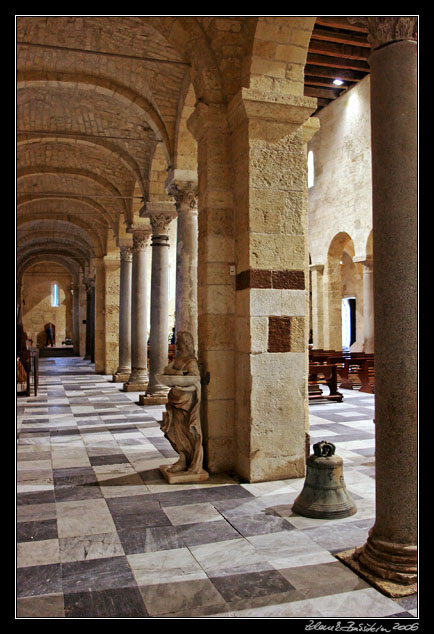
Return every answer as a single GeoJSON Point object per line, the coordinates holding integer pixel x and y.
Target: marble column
{"type": "Point", "coordinates": [138, 379]}
{"type": "Point", "coordinates": [389, 557]}
{"type": "Point", "coordinates": [76, 318]}
{"type": "Point", "coordinates": [368, 306]}
{"type": "Point", "coordinates": [124, 369]}
{"type": "Point", "coordinates": [183, 187]}
{"type": "Point", "coordinates": [156, 392]}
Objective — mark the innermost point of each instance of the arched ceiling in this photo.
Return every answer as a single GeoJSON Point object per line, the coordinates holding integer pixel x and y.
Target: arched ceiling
{"type": "Point", "coordinates": [96, 97]}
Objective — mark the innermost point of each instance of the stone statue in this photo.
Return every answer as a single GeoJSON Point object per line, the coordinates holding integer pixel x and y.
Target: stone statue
{"type": "Point", "coordinates": [181, 420]}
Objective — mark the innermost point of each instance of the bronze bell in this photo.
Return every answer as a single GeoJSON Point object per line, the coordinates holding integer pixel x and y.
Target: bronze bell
{"type": "Point", "coordinates": [324, 495]}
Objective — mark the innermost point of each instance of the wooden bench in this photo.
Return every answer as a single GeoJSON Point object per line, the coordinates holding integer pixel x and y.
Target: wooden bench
{"type": "Point", "coordinates": [350, 371]}
{"type": "Point", "coordinates": [366, 375]}
{"type": "Point", "coordinates": [323, 374]}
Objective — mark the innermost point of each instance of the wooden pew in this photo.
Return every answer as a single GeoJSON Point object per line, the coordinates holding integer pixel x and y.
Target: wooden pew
{"type": "Point", "coordinates": [350, 371]}
{"type": "Point", "coordinates": [323, 374]}
{"type": "Point", "coordinates": [366, 375]}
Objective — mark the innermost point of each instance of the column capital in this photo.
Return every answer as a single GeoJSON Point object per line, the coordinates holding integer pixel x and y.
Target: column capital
{"type": "Point", "coordinates": [316, 267]}
{"type": "Point", "coordinates": [291, 110]}
{"type": "Point", "coordinates": [126, 253]}
{"type": "Point", "coordinates": [140, 239]}
{"type": "Point", "coordinates": [386, 30]}
{"type": "Point", "coordinates": [160, 215]}
{"type": "Point", "coordinates": [183, 186]}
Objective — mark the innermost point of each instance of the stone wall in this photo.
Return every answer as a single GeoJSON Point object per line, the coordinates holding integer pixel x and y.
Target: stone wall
{"type": "Point", "coordinates": [37, 310]}
{"type": "Point", "coordinates": [341, 199]}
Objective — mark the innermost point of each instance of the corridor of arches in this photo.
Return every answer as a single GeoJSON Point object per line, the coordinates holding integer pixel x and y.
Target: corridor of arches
{"type": "Point", "coordinates": [163, 187]}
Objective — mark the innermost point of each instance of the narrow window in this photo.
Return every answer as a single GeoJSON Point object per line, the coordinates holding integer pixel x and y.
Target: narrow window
{"type": "Point", "coordinates": [55, 294]}
{"type": "Point", "coordinates": [310, 169]}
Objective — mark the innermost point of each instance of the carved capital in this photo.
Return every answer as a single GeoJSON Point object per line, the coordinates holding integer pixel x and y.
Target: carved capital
{"type": "Point", "coordinates": [185, 195]}
{"type": "Point", "coordinates": [385, 30]}
{"type": "Point", "coordinates": [126, 254]}
{"type": "Point", "coordinates": [160, 224]}
{"type": "Point", "coordinates": [140, 239]}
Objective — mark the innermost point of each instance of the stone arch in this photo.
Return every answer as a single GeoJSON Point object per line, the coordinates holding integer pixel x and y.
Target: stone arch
{"type": "Point", "coordinates": [278, 54]}
{"type": "Point", "coordinates": [23, 172]}
{"type": "Point", "coordinates": [104, 85]}
{"type": "Point", "coordinates": [124, 157]}
{"type": "Point", "coordinates": [333, 290]}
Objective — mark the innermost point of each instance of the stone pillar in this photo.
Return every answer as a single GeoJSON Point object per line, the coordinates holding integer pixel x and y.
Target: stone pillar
{"type": "Point", "coordinates": [368, 306]}
{"type": "Point", "coordinates": [98, 318]}
{"type": "Point", "coordinates": [138, 379]}
{"type": "Point", "coordinates": [270, 195]}
{"type": "Point", "coordinates": [89, 295]}
{"type": "Point", "coordinates": [156, 393]}
{"type": "Point", "coordinates": [390, 553]}
{"type": "Point", "coordinates": [317, 271]}
{"type": "Point", "coordinates": [111, 312]}
{"type": "Point", "coordinates": [215, 284]}
{"type": "Point", "coordinates": [182, 185]}
{"type": "Point", "coordinates": [76, 317]}
{"type": "Point", "coordinates": [124, 369]}
{"type": "Point", "coordinates": [82, 329]}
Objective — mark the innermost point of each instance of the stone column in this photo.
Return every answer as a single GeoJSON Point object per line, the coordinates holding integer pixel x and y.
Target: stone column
{"type": "Point", "coordinates": [138, 379]}
{"type": "Point", "coordinates": [317, 271]}
{"type": "Point", "coordinates": [92, 321]}
{"type": "Point", "coordinates": [390, 553]}
{"type": "Point", "coordinates": [156, 393]}
{"type": "Point", "coordinates": [182, 186]}
{"type": "Point", "coordinates": [124, 369]}
{"type": "Point", "coordinates": [88, 284]}
{"type": "Point", "coordinates": [76, 317]}
{"type": "Point", "coordinates": [368, 306]}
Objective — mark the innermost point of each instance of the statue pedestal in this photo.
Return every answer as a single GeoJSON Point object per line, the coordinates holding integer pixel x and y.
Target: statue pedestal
{"type": "Point", "coordinates": [183, 477]}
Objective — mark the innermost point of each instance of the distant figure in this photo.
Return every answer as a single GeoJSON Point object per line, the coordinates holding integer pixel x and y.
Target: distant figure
{"type": "Point", "coordinates": [172, 336]}
{"type": "Point", "coordinates": [49, 333]}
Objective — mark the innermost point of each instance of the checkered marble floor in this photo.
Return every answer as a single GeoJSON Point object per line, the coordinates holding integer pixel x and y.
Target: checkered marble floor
{"type": "Point", "coordinates": [100, 534]}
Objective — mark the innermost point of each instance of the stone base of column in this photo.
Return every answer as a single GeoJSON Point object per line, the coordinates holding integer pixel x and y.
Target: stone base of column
{"type": "Point", "coordinates": [389, 587]}
{"type": "Point", "coordinates": [151, 399]}
{"type": "Point", "coordinates": [183, 477]}
{"type": "Point", "coordinates": [121, 377]}
{"type": "Point", "coordinates": [135, 386]}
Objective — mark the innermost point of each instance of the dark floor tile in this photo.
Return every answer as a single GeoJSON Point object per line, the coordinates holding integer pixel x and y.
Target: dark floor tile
{"type": "Point", "coordinates": [132, 505]}
{"type": "Point", "coordinates": [121, 603]}
{"type": "Point", "coordinates": [147, 519]}
{"type": "Point", "coordinates": [36, 531]}
{"type": "Point", "coordinates": [37, 580]}
{"type": "Point", "coordinates": [96, 461]}
{"type": "Point", "coordinates": [96, 574]}
{"type": "Point", "coordinates": [207, 533]}
{"type": "Point", "coordinates": [251, 585]}
{"type": "Point", "coordinates": [78, 476]}
{"type": "Point", "coordinates": [69, 493]}
{"type": "Point", "coordinates": [38, 497]}
{"type": "Point", "coordinates": [145, 540]}
{"type": "Point", "coordinates": [151, 474]}
{"type": "Point", "coordinates": [35, 421]}
{"type": "Point", "coordinates": [258, 524]}
{"type": "Point", "coordinates": [40, 433]}
{"type": "Point", "coordinates": [207, 494]}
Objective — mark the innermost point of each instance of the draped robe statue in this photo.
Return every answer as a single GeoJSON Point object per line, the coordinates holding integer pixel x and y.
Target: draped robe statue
{"type": "Point", "coordinates": [181, 420]}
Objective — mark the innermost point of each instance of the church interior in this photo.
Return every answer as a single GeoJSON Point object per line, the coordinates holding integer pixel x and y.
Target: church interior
{"type": "Point", "coordinates": [216, 312]}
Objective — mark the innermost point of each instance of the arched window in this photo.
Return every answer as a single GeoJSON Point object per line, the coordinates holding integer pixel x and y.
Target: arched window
{"type": "Point", "coordinates": [55, 294]}
{"type": "Point", "coordinates": [310, 169]}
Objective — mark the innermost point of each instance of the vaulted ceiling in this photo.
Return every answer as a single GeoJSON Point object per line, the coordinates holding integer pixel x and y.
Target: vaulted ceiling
{"type": "Point", "coordinates": [100, 102]}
